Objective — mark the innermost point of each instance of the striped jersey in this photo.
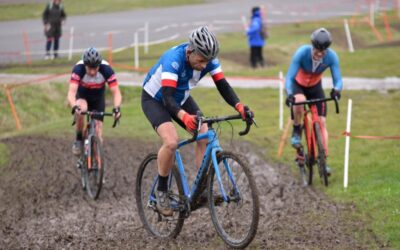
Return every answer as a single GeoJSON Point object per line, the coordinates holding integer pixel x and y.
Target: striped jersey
{"type": "Point", "coordinates": [173, 70]}
{"type": "Point", "coordinates": [307, 72]}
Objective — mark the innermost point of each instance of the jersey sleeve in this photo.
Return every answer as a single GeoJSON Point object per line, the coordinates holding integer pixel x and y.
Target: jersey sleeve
{"type": "Point", "coordinates": [293, 68]}
{"type": "Point", "coordinates": [335, 71]}
{"type": "Point", "coordinates": [109, 75]}
{"type": "Point", "coordinates": [215, 69]}
{"type": "Point", "coordinates": [77, 73]}
{"type": "Point", "coordinates": [170, 71]}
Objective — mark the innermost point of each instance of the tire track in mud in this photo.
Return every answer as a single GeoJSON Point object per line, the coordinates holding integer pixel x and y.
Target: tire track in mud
{"type": "Point", "coordinates": [42, 204]}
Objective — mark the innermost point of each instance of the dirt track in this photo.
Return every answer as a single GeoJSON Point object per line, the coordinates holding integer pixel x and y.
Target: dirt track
{"type": "Point", "coordinates": [42, 205]}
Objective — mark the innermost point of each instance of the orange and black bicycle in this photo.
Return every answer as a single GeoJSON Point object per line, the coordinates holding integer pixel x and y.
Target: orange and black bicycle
{"type": "Point", "coordinates": [317, 148]}
{"type": "Point", "coordinates": [91, 161]}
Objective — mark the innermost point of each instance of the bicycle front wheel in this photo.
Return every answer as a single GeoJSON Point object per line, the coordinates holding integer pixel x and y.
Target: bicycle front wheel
{"type": "Point", "coordinates": [235, 218]}
{"type": "Point", "coordinates": [95, 168]}
{"type": "Point", "coordinates": [146, 185]}
{"type": "Point", "coordinates": [321, 161]}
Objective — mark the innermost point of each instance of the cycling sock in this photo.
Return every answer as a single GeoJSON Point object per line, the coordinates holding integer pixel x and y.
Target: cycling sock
{"type": "Point", "coordinates": [79, 136]}
{"type": "Point", "coordinates": [297, 128]}
{"type": "Point", "coordinates": [162, 183]}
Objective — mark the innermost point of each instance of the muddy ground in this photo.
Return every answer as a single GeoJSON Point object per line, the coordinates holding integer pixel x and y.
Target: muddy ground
{"type": "Point", "coordinates": [42, 205]}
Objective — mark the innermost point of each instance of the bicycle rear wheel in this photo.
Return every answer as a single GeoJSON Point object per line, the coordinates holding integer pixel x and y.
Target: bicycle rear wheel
{"type": "Point", "coordinates": [146, 185]}
{"type": "Point", "coordinates": [95, 168]}
{"type": "Point", "coordinates": [235, 220]}
{"type": "Point", "coordinates": [321, 161]}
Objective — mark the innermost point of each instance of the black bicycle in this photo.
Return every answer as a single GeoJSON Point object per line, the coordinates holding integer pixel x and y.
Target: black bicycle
{"type": "Point", "coordinates": [91, 161]}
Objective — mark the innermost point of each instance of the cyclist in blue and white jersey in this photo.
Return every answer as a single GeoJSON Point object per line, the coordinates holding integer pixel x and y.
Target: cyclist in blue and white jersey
{"type": "Point", "coordinates": [303, 80]}
{"type": "Point", "coordinates": [87, 92]}
{"type": "Point", "coordinates": [166, 97]}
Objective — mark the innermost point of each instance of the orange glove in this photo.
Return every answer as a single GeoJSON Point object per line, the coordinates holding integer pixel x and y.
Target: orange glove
{"type": "Point", "coordinates": [190, 121]}
{"type": "Point", "coordinates": [240, 108]}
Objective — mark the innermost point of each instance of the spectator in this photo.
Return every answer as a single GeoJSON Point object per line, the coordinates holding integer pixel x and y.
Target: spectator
{"type": "Point", "coordinates": [53, 17]}
{"type": "Point", "coordinates": [256, 37]}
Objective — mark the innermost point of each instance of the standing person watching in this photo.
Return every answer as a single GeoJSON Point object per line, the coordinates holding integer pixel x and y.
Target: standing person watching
{"type": "Point", "coordinates": [166, 97]}
{"type": "Point", "coordinates": [87, 92]}
{"type": "Point", "coordinates": [303, 80]}
{"type": "Point", "coordinates": [53, 18]}
{"type": "Point", "coordinates": [256, 36]}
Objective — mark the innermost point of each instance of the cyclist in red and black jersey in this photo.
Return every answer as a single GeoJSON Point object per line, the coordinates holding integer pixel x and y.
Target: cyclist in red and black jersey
{"type": "Point", "coordinates": [87, 92]}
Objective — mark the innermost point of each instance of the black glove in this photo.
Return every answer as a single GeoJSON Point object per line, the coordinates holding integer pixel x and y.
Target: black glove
{"type": "Point", "coordinates": [290, 100]}
{"type": "Point", "coordinates": [249, 114]}
{"type": "Point", "coordinates": [335, 94]}
{"type": "Point", "coordinates": [117, 113]}
{"type": "Point", "coordinates": [74, 109]}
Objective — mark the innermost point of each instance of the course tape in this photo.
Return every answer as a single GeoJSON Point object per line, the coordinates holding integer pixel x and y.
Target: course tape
{"type": "Point", "coordinates": [372, 137]}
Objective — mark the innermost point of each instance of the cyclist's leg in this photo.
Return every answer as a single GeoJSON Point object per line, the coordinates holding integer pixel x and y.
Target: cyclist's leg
{"type": "Point", "coordinates": [298, 111]}
{"type": "Point", "coordinates": [191, 107]}
{"type": "Point", "coordinates": [82, 103]}
{"type": "Point", "coordinates": [98, 104]}
{"type": "Point", "coordinates": [317, 92]}
{"type": "Point", "coordinates": [77, 145]}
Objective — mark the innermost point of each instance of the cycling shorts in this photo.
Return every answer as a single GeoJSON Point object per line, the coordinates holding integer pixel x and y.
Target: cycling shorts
{"type": "Point", "coordinates": [158, 114]}
{"type": "Point", "coordinates": [313, 92]}
{"type": "Point", "coordinates": [95, 103]}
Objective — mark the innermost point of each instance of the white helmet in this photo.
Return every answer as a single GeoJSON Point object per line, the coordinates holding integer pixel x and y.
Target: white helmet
{"type": "Point", "coordinates": [204, 42]}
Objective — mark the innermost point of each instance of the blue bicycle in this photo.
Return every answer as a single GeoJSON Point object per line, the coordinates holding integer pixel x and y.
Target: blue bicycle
{"type": "Point", "coordinates": [223, 176]}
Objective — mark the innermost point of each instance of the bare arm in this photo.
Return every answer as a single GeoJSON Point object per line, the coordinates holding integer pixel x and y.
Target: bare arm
{"type": "Point", "coordinates": [73, 88]}
{"type": "Point", "coordinates": [117, 97]}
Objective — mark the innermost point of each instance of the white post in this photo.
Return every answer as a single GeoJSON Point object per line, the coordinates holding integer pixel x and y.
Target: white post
{"type": "Point", "coordinates": [244, 21]}
{"type": "Point", "coordinates": [71, 42]}
{"type": "Point", "coordinates": [372, 13]}
{"type": "Point", "coordinates": [146, 38]}
{"type": "Point", "coordinates": [281, 100]}
{"type": "Point", "coordinates": [348, 36]}
{"type": "Point", "coordinates": [136, 42]}
{"type": "Point", "coordinates": [347, 147]}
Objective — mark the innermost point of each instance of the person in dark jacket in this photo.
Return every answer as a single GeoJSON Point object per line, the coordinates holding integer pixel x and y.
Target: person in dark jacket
{"type": "Point", "coordinates": [256, 38]}
{"type": "Point", "coordinates": [53, 17]}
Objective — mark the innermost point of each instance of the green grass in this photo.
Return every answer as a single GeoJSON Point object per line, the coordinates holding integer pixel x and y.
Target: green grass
{"type": "Point", "coordinates": [370, 59]}
{"type": "Point", "coordinates": [82, 7]}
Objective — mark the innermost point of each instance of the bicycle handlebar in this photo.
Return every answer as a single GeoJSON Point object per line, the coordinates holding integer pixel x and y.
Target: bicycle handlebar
{"type": "Point", "coordinates": [92, 114]}
{"type": "Point", "coordinates": [210, 120]}
{"type": "Point", "coordinates": [314, 101]}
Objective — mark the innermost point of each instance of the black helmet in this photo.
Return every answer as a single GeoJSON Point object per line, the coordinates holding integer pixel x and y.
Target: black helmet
{"type": "Point", "coordinates": [204, 42]}
{"type": "Point", "coordinates": [92, 58]}
{"type": "Point", "coordinates": [321, 39]}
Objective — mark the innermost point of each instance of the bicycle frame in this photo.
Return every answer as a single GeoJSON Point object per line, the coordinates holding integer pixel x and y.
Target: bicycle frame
{"type": "Point", "coordinates": [213, 147]}
{"type": "Point", "coordinates": [210, 155]}
{"type": "Point", "coordinates": [309, 126]}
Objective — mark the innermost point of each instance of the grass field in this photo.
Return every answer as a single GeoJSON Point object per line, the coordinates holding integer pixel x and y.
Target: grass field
{"type": "Point", "coordinates": [374, 187]}
{"type": "Point", "coordinates": [81, 7]}
{"type": "Point", "coordinates": [366, 61]}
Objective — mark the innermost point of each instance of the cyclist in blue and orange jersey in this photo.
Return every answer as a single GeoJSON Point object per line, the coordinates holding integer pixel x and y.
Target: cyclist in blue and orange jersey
{"type": "Point", "coordinates": [166, 97]}
{"type": "Point", "coordinates": [303, 80]}
{"type": "Point", "coordinates": [87, 92]}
